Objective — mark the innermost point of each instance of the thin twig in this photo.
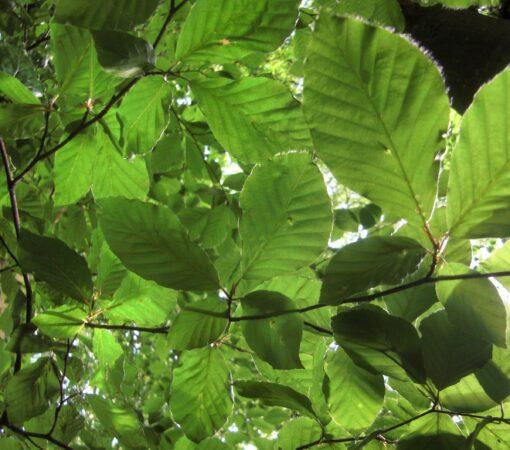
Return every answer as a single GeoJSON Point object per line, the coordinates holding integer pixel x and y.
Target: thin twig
{"type": "Point", "coordinates": [377, 295]}
{"type": "Point", "coordinates": [171, 13]}
{"type": "Point", "coordinates": [61, 385]}
{"type": "Point", "coordinates": [30, 434]}
{"type": "Point", "coordinates": [160, 330]}
{"type": "Point", "coordinates": [11, 187]}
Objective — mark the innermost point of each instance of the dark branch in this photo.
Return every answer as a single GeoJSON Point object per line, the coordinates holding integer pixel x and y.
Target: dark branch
{"type": "Point", "coordinates": [29, 435]}
{"type": "Point", "coordinates": [171, 13]}
{"type": "Point", "coordinates": [378, 434]}
{"type": "Point", "coordinates": [376, 295]}
{"type": "Point", "coordinates": [160, 330]}
{"type": "Point", "coordinates": [11, 187]}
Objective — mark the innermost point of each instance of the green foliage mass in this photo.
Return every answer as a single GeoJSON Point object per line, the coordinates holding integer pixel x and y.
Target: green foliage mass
{"type": "Point", "coordinates": [247, 224]}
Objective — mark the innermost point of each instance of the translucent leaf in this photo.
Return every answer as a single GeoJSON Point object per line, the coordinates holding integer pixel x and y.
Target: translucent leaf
{"type": "Point", "coordinates": [355, 395]}
{"type": "Point", "coordinates": [220, 31]}
{"type": "Point", "coordinates": [286, 218]}
{"type": "Point", "coordinates": [201, 401]}
{"type": "Point", "coordinates": [377, 113]}
{"type": "Point", "coordinates": [252, 118]}
{"type": "Point", "coordinates": [478, 198]}
{"type": "Point", "coordinates": [151, 242]}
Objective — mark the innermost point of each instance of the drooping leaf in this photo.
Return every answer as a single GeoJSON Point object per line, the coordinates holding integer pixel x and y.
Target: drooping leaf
{"type": "Point", "coordinates": [123, 54]}
{"type": "Point", "coordinates": [144, 114]}
{"type": "Point", "coordinates": [355, 395]}
{"type": "Point", "coordinates": [286, 218]}
{"type": "Point", "coordinates": [96, 15]}
{"type": "Point", "coordinates": [50, 260]}
{"type": "Point", "coordinates": [119, 421]}
{"type": "Point", "coordinates": [449, 352]}
{"type": "Point", "coordinates": [106, 348]}
{"type": "Point", "coordinates": [380, 342]}
{"type": "Point", "coordinates": [192, 329]}
{"type": "Point", "coordinates": [474, 305]}
{"type": "Point", "coordinates": [478, 196]}
{"type": "Point", "coordinates": [200, 401]}
{"type": "Point", "coordinates": [221, 31]}
{"type": "Point", "coordinates": [276, 340]}
{"type": "Point", "coordinates": [252, 118]}
{"type": "Point", "coordinates": [28, 393]}
{"type": "Point", "coordinates": [368, 263]}
{"type": "Point", "coordinates": [151, 242]}
{"type": "Point", "coordinates": [273, 394]}
{"type": "Point", "coordinates": [16, 91]}
{"type": "Point", "coordinates": [377, 130]}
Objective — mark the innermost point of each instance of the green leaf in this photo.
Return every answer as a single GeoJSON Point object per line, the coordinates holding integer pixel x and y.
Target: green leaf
{"type": "Point", "coordinates": [28, 393]}
{"type": "Point", "coordinates": [123, 54]}
{"type": "Point", "coordinates": [499, 261]}
{"type": "Point", "coordinates": [63, 322]}
{"type": "Point", "coordinates": [411, 303]}
{"type": "Point", "coordinates": [192, 329]}
{"type": "Point", "coordinates": [449, 352]}
{"type": "Point", "coordinates": [382, 12]}
{"type": "Point", "coordinates": [144, 114]}
{"type": "Point", "coordinates": [110, 272]}
{"type": "Point", "coordinates": [474, 305]}
{"type": "Point", "coordinates": [201, 401]}
{"type": "Point", "coordinates": [380, 342]}
{"type": "Point", "coordinates": [119, 421]}
{"type": "Point", "coordinates": [298, 432]}
{"type": "Point", "coordinates": [355, 395]}
{"type": "Point", "coordinates": [106, 348]}
{"type": "Point", "coordinates": [142, 302]}
{"type": "Point", "coordinates": [286, 218]}
{"type": "Point", "coordinates": [96, 15]}
{"type": "Point", "coordinates": [114, 175]}
{"type": "Point", "coordinates": [276, 340]}
{"type": "Point", "coordinates": [214, 226]}
{"type": "Point", "coordinates": [151, 242]}
{"type": "Point", "coordinates": [77, 68]}
{"type": "Point", "coordinates": [252, 118]}
{"type": "Point", "coordinates": [368, 263]}
{"type": "Point", "coordinates": [220, 31]}
{"type": "Point", "coordinates": [50, 260]}
{"type": "Point", "coordinates": [377, 130]}
{"type": "Point", "coordinates": [20, 121]}
{"type": "Point", "coordinates": [273, 394]}
{"type": "Point", "coordinates": [478, 198]}
{"type": "Point", "coordinates": [435, 431]}
{"type": "Point", "coordinates": [74, 168]}
{"type": "Point", "coordinates": [16, 91]}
